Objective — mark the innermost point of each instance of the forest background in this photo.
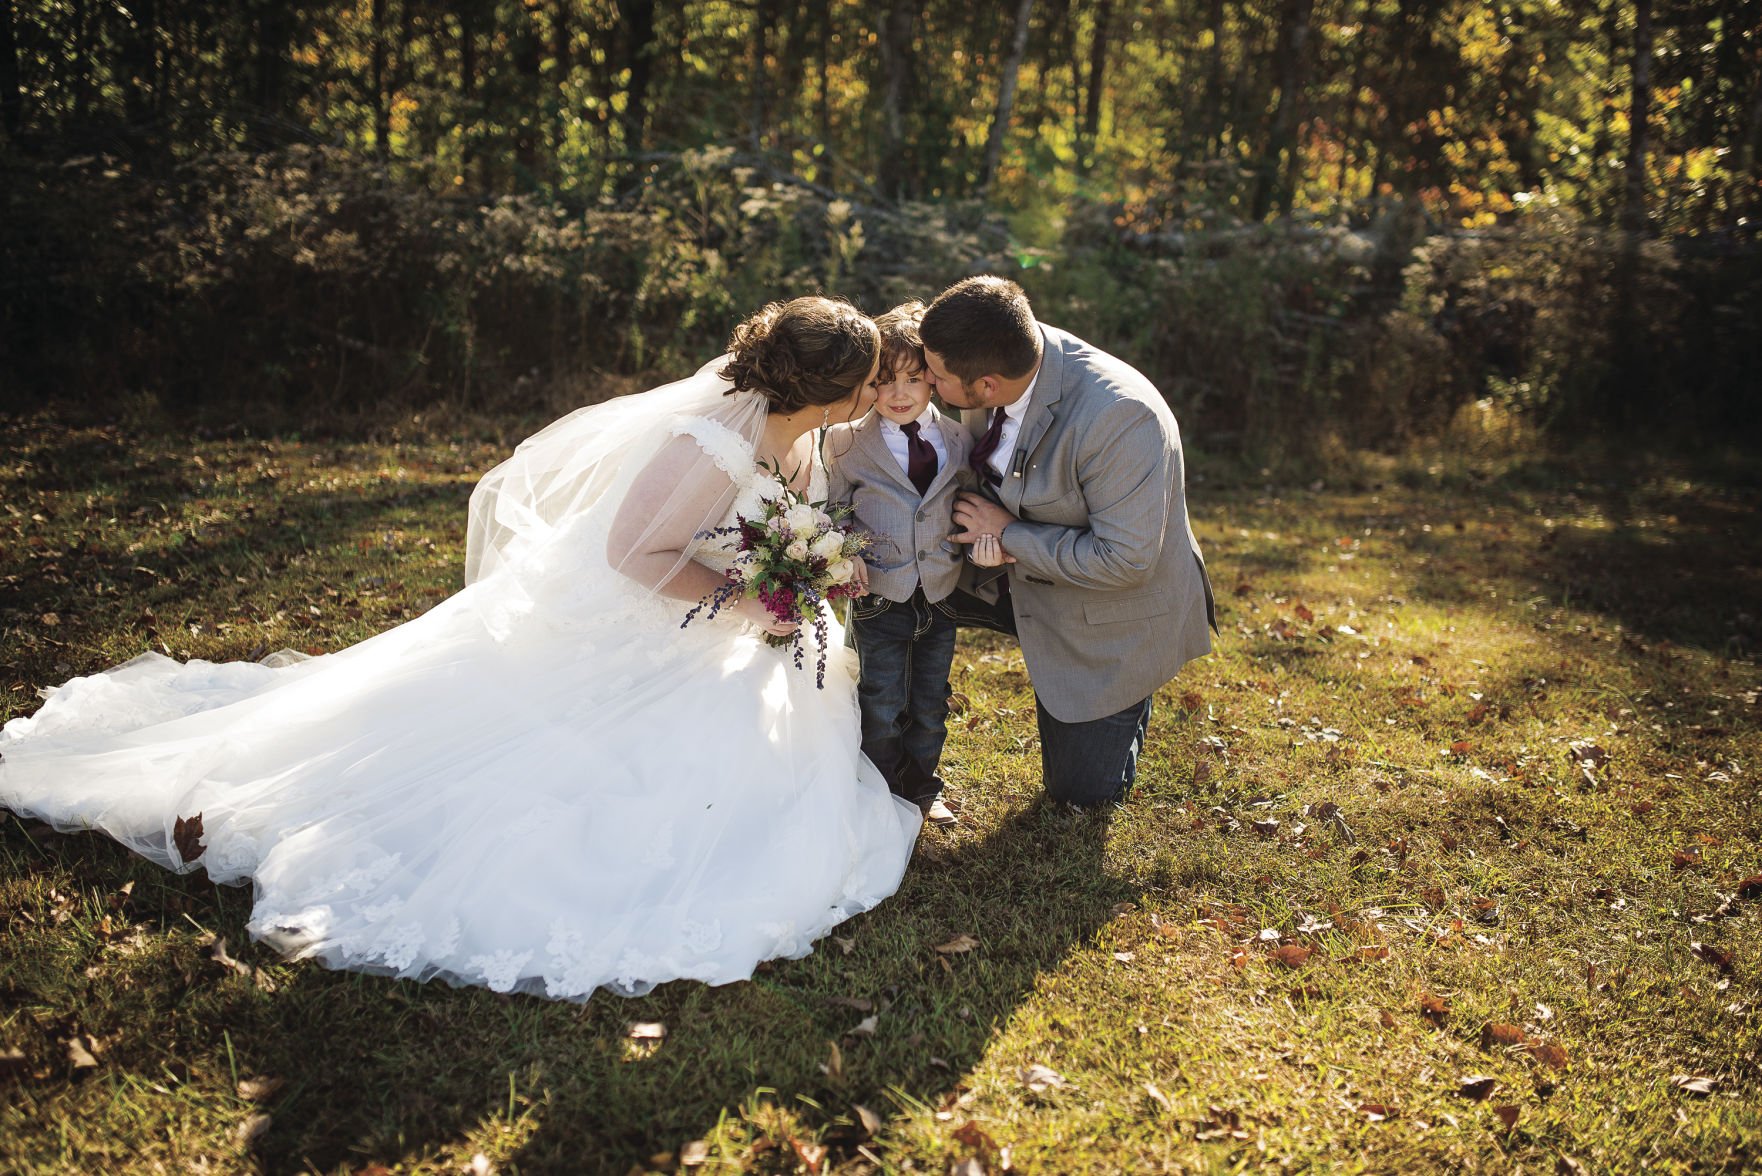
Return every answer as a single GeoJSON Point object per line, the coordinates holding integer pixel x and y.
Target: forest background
{"type": "Point", "coordinates": [1312, 222]}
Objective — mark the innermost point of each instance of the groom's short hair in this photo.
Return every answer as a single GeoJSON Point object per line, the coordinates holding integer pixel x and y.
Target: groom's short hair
{"type": "Point", "coordinates": [982, 326]}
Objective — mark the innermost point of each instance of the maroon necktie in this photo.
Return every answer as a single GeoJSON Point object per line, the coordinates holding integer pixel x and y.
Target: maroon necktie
{"type": "Point", "coordinates": [920, 458]}
{"type": "Point", "coordinates": [980, 459]}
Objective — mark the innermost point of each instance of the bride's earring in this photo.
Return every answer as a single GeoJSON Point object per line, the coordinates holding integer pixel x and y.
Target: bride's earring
{"type": "Point", "coordinates": [826, 417]}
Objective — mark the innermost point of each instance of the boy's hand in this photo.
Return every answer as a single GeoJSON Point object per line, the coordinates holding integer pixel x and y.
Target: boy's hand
{"type": "Point", "coordinates": [988, 552]}
{"type": "Point", "coordinates": [860, 577]}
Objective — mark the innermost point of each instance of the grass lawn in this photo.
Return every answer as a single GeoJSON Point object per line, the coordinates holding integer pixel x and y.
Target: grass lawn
{"type": "Point", "coordinates": [1448, 858]}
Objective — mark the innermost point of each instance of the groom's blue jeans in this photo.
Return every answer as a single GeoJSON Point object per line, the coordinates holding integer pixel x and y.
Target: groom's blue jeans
{"type": "Point", "coordinates": [905, 649]}
{"type": "Point", "coordinates": [1087, 764]}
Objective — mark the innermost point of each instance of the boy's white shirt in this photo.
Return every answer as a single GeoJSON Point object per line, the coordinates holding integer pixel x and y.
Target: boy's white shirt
{"type": "Point", "coordinates": [898, 443]}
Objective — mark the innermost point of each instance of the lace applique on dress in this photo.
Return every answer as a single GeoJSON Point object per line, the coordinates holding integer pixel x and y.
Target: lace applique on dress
{"type": "Point", "coordinates": [501, 971]}
{"type": "Point", "coordinates": [726, 448]}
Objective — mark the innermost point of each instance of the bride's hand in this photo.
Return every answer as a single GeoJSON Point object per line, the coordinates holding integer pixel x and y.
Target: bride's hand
{"type": "Point", "coordinates": [750, 609]}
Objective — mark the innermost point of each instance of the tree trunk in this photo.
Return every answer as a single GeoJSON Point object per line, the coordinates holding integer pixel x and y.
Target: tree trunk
{"type": "Point", "coordinates": [1092, 95]}
{"type": "Point", "coordinates": [896, 74]}
{"type": "Point", "coordinates": [823, 94]}
{"type": "Point", "coordinates": [638, 19]}
{"type": "Point", "coordinates": [1355, 86]}
{"type": "Point", "coordinates": [382, 115]}
{"type": "Point", "coordinates": [562, 31]}
{"type": "Point", "coordinates": [137, 51]}
{"type": "Point", "coordinates": [1006, 96]}
{"type": "Point", "coordinates": [526, 48]}
{"type": "Point", "coordinates": [1215, 98]}
{"type": "Point", "coordinates": [759, 78]}
{"type": "Point", "coordinates": [269, 77]}
{"type": "Point", "coordinates": [1272, 193]}
{"type": "Point", "coordinates": [11, 96]}
{"type": "Point", "coordinates": [1633, 215]}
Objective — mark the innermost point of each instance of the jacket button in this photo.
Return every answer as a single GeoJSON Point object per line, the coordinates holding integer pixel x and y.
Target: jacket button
{"type": "Point", "coordinates": [920, 516]}
{"type": "Point", "coordinates": [923, 555]}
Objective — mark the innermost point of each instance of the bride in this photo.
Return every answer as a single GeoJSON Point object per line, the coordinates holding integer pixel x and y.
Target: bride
{"type": "Point", "coordinates": [544, 784]}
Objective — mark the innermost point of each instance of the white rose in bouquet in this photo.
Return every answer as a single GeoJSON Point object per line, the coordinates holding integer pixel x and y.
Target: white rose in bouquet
{"type": "Point", "coordinates": [841, 571]}
{"type": "Point", "coordinates": [768, 488]}
{"type": "Point", "coordinates": [797, 549]}
{"type": "Point", "coordinates": [830, 545]}
{"type": "Point", "coordinates": [800, 518]}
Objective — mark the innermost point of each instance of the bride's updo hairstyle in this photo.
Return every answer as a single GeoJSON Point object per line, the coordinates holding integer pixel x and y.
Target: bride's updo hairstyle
{"type": "Point", "coordinates": [803, 353]}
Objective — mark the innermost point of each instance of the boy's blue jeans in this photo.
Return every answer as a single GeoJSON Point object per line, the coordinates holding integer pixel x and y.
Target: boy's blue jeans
{"type": "Point", "coordinates": [905, 649]}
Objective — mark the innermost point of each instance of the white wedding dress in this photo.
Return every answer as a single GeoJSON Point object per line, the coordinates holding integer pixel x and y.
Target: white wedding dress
{"type": "Point", "coordinates": [544, 784]}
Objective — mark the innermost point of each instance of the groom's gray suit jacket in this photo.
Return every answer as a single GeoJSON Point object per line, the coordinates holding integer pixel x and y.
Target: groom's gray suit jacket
{"type": "Point", "coordinates": [1109, 588]}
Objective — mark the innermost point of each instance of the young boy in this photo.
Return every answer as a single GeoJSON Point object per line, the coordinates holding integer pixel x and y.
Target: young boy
{"type": "Point", "coordinates": [897, 469]}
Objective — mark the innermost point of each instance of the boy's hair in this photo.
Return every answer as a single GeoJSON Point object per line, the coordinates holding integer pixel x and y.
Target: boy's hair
{"type": "Point", "coordinates": [902, 352]}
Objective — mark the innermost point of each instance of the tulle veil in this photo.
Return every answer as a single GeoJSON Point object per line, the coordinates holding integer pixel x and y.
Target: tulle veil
{"type": "Point", "coordinates": [615, 466]}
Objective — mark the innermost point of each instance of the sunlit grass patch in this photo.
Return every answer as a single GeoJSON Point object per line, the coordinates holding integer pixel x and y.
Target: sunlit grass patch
{"type": "Point", "coordinates": [1466, 792]}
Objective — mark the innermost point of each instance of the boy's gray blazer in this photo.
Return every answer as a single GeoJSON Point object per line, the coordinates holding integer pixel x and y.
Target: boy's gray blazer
{"type": "Point", "coordinates": [911, 532]}
{"type": "Point", "coordinates": [1110, 592]}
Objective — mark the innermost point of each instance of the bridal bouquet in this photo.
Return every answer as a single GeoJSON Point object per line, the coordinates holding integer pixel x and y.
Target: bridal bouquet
{"type": "Point", "coordinates": [793, 555]}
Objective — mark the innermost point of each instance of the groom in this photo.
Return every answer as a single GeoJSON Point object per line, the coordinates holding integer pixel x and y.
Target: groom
{"type": "Point", "coordinates": [1079, 461]}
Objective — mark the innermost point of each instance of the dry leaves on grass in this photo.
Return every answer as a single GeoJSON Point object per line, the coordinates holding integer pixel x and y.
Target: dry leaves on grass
{"type": "Point", "coordinates": [1698, 1085]}
{"type": "Point", "coordinates": [260, 1089]}
{"type": "Point", "coordinates": [1708, 953]}
{"type": "Point", "coordinates": [1500, 1033]}
{"type": "Point", "coordinates": [1476, 1086]}
{"type": "Point", "coordinates": [247, 1134]}
{"type": "Point", "coordinates": [960, 943]}
{"type": "Point", "coordinates": [1039, 1079]}
{"type": "Point", "coordinates": [1291, 955]}
{"type": "Point", "coordinates": [1434, 1008]}
{"type": "Point", "coordinates": [186, 835]}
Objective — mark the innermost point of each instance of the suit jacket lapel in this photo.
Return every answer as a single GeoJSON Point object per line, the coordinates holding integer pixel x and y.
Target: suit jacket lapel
{"type": "Point", "coordinates": [1042, 412]}
{"type": "Point", "coordinates": [869, 435]}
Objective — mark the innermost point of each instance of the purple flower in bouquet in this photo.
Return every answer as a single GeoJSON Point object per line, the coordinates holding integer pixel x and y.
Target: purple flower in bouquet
{"type": "Point", "coordinates": [793, 556]}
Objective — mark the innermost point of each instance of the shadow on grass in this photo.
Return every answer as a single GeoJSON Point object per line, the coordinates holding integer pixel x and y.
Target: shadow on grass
{"type": "Point", "coordinates": [379, 1071]}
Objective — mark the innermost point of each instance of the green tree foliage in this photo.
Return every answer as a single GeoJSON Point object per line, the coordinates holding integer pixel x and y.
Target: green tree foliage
{"type": "Point", "coordinates": [1179, 111]}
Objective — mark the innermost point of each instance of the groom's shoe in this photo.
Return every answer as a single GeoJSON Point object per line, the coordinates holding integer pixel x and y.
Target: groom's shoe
{"type": "Point", "coordinates": [939, 814]}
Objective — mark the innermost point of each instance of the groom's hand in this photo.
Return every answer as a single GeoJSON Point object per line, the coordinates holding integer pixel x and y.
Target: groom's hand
{"type": "Point", "coordinates": [976, 515]}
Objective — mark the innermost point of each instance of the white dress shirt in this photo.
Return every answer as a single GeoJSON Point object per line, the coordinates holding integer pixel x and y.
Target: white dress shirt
{"type": "Point", "coordinates": [898, 442]}
{"type": "Point", "coordinates": [1012, 426]}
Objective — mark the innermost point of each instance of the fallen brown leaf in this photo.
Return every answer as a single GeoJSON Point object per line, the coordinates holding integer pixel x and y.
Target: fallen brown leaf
{"type": "Point", "coordinates": [1500, 1033]}
{"type": "Point", "coordinates": [960, 943]}
{"type": "Point", "coordinates": [1507, 1115]}
{"type": "Point", "coordinates": [260, 1089]}
{"type": "Point", "coordinates": [247, 1134]}
{"type": "Point", "coordinates": [1434, 1008]}
{"type": "Point", "coordinates": [186, 835]}
{"type": "Point", "coordinates": [1549, 1054]}
{"type": "Point", "coordinates": [1750, 887]}
{"type": "Point", "coordinates": [972, 1135]}
{"type": "Point", "coordinates": [1712, 955]}
{"type": "Point", "coordinates": [868, 1120]}
{"type": "Point", "coordinates": [1376, 1112]}
{"type": "Point", "coordinates": [1697, 1085]}
{"type": "Point", "coordinates": [694, 1154]}
{"type": "Point", "coordinates": [1476, 1086]}
{"type": "Point", "coordinates": [1291, 955]}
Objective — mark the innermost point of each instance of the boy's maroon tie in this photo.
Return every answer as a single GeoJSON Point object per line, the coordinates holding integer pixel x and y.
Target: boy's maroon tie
{"type": "Point", "coordinates": [920, 458]}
